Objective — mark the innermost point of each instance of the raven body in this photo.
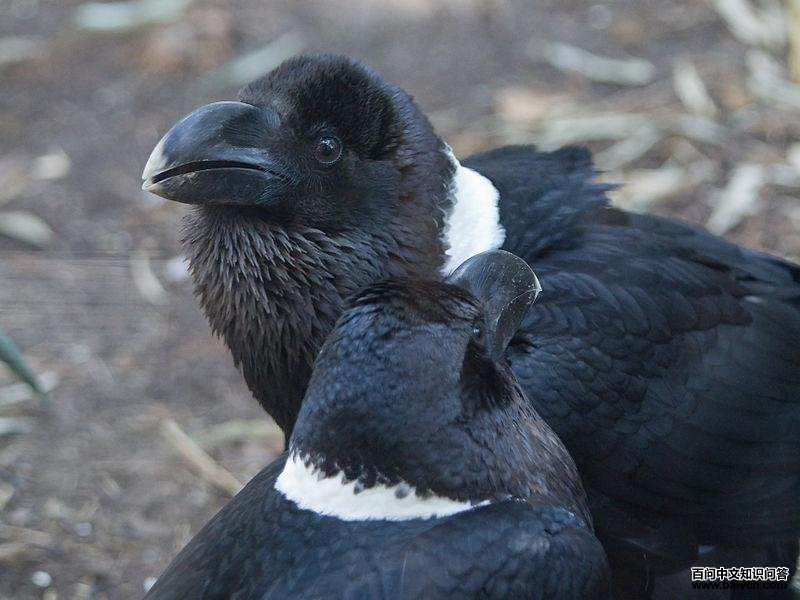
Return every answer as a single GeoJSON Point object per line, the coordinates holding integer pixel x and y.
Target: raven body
{"type": "Point", "coordinates": [402, 485]}
{"type": "Point", "coordinates": [664, 357]}
{"type": "Point", "coordinates": [262, 546]}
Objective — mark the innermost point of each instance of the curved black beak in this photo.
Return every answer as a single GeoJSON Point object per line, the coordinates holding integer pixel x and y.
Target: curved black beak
{"type": "Point", "coordinates": [217, 154]}
{"type": "Point", "coordinates": [506, 285]}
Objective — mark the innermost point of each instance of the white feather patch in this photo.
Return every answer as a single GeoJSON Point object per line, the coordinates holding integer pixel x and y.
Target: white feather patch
{"type": "Point", "coordinates": [307, 487]}
{"type": "Point", "coordinates": [473, 224]}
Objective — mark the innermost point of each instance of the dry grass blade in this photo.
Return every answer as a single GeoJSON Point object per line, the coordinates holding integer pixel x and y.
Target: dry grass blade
{"type": "Point", "coordinates": [15, 49]}
{"type": "Point", "coordinates": [738, 199]}
{"type": "Point", "coordinates": [124, 16]}
{"type": "Point", "coordinates": [197, 458]}
{"type": "Point", "coordinates": [785, 176]}
{"type": "Point", "coordinates": [17, 393]}
{"type": "Point", "coordinates": [13, 177]}
{"type": "Point", "coordinates": [766, 81]}
{"type": "Point", "coordinates": [627, 71]}
{"type": "Point", "coordinates": [698, 129]}
{"type": "Point", "coordinates": [643, 188]}
{"type": "Point", "coordinates": [608, 126]}
{"type": "Point", "coordinates": [23, 535]}
{"type": "Point", "coordinates": [525, 106]}
{"type": "Point", "coordinates": [691, 90]}
{"type": "Point", "coordinates": [757, 27]}
{"type": "Point", "coordinates": [51, 166]}
{"type": "Point", "coordinates": [145, 280]}
{"type": "Point", "coordinates": [793, 156]}
{"type": "Point", "coordinates": [13, 551]}
{"type": "Point", "coordinates": [239, 429]}
{"type": "Point", "coordinates": [25, 227]}
{"type": "Point", "coordinates": [793, 15]}
{"type": "Point", "coordinates": [628, 150]}
{"type": "Point", "coordinates": [636, 131]}
{"type": "Point", "coordinates": [253, 65]}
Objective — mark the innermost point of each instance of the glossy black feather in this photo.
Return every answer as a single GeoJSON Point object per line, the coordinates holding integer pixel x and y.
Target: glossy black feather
{"type": "Point", "coordinates": [272, 282]}
{"type": "Point", "coordinates": [376, 412]}
{"type": "Point", "coordinates": [665, 358]}
{"type": "Point", "coordinates": [261, 546]}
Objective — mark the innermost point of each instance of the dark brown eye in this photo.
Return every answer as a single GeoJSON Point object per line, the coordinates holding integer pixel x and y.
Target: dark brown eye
{"type": "Point", "coordinates": [328, 150]}
{"type": "Point", "coordinates": [478, 333]}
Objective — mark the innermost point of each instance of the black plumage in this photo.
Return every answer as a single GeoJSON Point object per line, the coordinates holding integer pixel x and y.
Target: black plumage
{"type": "Point", "coordinates": [373, 415]}
{"type": "Point", "coordinates": [273, 284]}
{"type": "Point", "coordinates": [262, 546]}
{"type": "Point", "coordinates": [664, 357]}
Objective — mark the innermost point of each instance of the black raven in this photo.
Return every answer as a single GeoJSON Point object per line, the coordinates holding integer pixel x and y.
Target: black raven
{"type": "Point", "coordinates": [417, 469]}
{"type": "Point", "coordinates": [665, 358]}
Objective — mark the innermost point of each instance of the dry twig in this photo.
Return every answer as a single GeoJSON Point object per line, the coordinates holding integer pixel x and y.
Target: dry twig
{"type": "Point", "coordinates": [128, 14]}
{"type": "Point", "coordinates": [626, 71]}
{"type": "Point", "coordinates": [755, 26]}
{"type": "Point", "coordinates": [738, 199]}
{"type": "Point", "coordinates": [240, 429]}
{"type": "Point", "coordinates": [691, 90]}
{"type": "Point", "coordinates": [145, 280]}
{"type": "Point", "coordinates": [26, 227]}
{"type": "Point", "coordinates": [203, 465]}
{"type": "Point", "coordinates": [253, 65]}
{"type": "Point", "coordinates": [766, 81]}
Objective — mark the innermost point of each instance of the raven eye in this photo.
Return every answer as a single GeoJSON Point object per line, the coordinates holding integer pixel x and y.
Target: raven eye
{"type": "Point", "coordinates": [328, 150]}
{"type": "Point", "coordinates": [478, 333]}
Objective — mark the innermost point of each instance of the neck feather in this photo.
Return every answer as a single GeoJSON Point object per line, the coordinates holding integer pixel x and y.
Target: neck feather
{"type": "Point", "coordinates": [472, 223]}
{"type": "Point", "coordinates": [274, 292]}
{"type": "Point", "coordinates": [332, 495]}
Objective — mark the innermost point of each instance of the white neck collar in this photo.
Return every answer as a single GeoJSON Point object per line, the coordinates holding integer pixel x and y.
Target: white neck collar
{"type": "Point", "coordinates": [310, 489]}
{"type": "Point", "coordinates": [473, 224]}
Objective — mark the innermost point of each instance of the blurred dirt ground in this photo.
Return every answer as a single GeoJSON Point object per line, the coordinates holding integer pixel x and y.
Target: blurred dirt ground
{"type": "Point", "coordinates": [699, 115]}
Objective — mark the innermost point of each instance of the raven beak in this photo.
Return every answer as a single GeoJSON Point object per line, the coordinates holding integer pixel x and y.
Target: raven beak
{"type": "Point", "coordinates": [216, 155]}
{"type": "Point", "coordinates": [506, 286]}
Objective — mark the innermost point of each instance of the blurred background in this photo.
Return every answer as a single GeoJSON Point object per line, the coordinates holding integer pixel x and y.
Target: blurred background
{"type": "Point", "coordinates": [694, 105]}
